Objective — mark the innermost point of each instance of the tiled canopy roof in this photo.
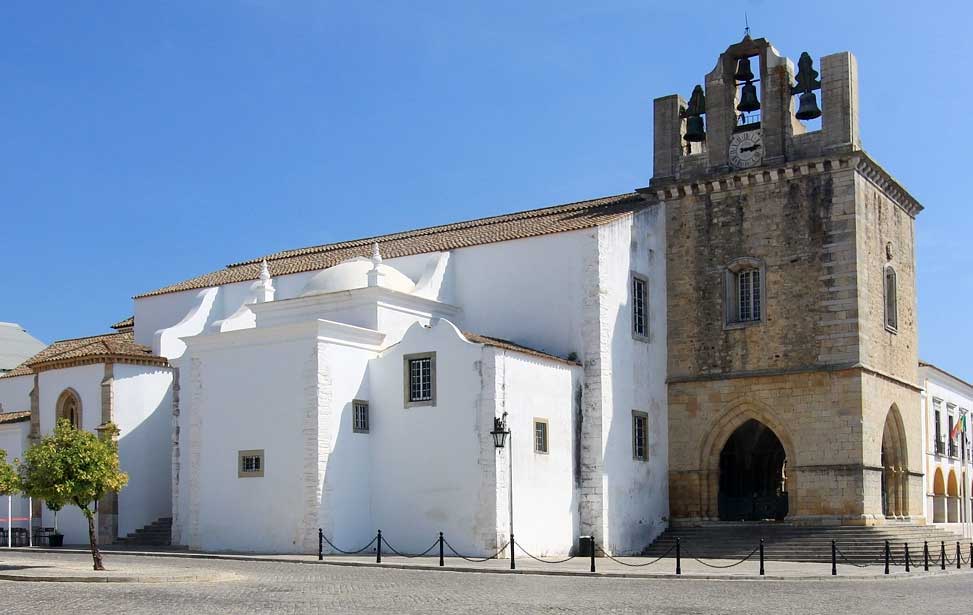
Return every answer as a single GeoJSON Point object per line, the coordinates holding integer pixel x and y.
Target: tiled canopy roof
{"type": "Point", "coordinates": [559, 219]}
{"type": "Point", "coordinates": [124, 324]}
{"type": "Point", "coordinates": [508, 345]}
{"type": "Point", "coordinates": [112, 346]}
{"type": "Point", "coordinates": [14, 417]}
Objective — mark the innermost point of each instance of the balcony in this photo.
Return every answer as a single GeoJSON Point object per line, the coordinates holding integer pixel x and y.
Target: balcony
{"type": "Point", "coordinates": [940, 445]}
{"type": "Point", "coordinates": [953, 450]}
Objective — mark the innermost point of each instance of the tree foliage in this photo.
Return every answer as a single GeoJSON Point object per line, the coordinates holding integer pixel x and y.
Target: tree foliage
{"type": "Point", "coordinates": [9, 484]}
{"type": "Point", "coordinates": [72, 466]}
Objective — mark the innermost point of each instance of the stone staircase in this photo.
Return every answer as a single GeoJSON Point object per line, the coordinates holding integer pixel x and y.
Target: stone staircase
{"type": "Point", "coordinates": [156, 534]}
{"type": "Point", "coordinates": [788, 542]}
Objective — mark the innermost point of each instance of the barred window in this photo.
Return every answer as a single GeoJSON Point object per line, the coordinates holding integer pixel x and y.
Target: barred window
{"type": "Point", "coordinates": [640, 435]}
{"type": "Point", "coordinates": [359, 416]}
{"type": "Point", "coordinates": [420, 379]}
{"type": "Point", "coordinates": [640, 303]}
{"type": "Point", "coordinates": [540, 435]}
{"type": "Point", "coordinates": [891, 301]}
{"type": "Point", "coordinates": [250, 463]}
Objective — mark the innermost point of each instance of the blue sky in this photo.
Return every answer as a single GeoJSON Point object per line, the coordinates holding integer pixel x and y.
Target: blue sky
{"type": "Point", "coordinates": [142, 143]}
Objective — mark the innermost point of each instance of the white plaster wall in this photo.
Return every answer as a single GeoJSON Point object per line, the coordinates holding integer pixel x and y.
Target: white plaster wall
{"type": "Point", "coordinates": [246, 397]}
{"type": "Point", "coordinates": [86, 381]}
{"type": "Point", "coordinates": [13, 440]}
{"type": "Point", "coordinates": [427, 459]}
{"type": "Point", "coordinates": [939, 386]}
{"type": "Point", "coordinates": [545, 497]}
{"type": "Point", "coordinates": [636, 492]}
{"type": "Point", "coordinates": [142, 406]}
{"type": "Point", "coordinates": [15, 393]}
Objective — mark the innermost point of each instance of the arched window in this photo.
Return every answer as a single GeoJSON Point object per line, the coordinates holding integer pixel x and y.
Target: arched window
{"type": "Point", "coordinates": [743, 301]}
{"type": "Point", "coordinates": [891, 302]}
{"type": "Point", "coordinates": [69, 407]}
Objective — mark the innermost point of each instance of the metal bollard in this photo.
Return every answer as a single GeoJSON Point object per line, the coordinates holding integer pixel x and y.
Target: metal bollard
{"type": "Point", "coordinates": [378, 551]}
{"type": "Point", "coordinates": [678, 557]}
{"type": "Point", "coordinates": [886, 557]}
{"type": "Point", "coordinates": [320, 544]}
{"type": "Point", "coordinates": [925, 556]}
{"type": "Point", "coordinates": [834, 559]}
{"type": "Point", "coordinates": [761, 557]}
{"type": "Point", "coordinates": [441, 540]}
{"type": "Point", "coordinates": [907, 557]}
{"type": "Point", "coordinates": [513, 549]}
{"type": "Point", "coordinates": [942, 555]}
{"type": "Point", "coordinates": [959, 560]}
{"type": "Point", "coordinates": [971, 555]}
{"type": "Point", "coordinates": [592, 553]}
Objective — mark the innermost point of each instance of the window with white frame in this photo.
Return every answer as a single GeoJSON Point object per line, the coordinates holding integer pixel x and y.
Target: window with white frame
{"type": "Point", "coordinates": [744, 292]}
{"type": "Point", "coordinates": [640, 306]}
{"type": "Point", "coordinates": [250, 463]}
{"type": "Point", "coordinates": [420, 379]}
{"type": "Point", "coordinates": [540, 436]}
{"type": "Point", "coordinates": [359, 416]}
{"type": "Point", "coordinates": [640, 435]}
{"type": "Point", "coordinates": [891, 300]}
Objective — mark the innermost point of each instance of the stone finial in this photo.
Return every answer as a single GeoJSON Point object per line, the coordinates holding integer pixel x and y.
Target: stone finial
{"type": "Point", "coordinates": [263, 289]}
{"type": "Point", "coordinates": [376, 255]}
{"type": "Point", "coordinates": [264, 272]}
{"type": "Point", "coordinates": [374, 276]}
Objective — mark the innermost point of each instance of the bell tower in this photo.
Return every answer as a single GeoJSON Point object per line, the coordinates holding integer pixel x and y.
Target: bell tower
{"type": "Point", "coordinates": [792, 343]}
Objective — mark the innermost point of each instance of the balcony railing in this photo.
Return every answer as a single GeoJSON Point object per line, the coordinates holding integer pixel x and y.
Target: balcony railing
{"type": "Point", "coordinates": [953, 450]}
{"type": "Point", "coordinates": [940, 446]}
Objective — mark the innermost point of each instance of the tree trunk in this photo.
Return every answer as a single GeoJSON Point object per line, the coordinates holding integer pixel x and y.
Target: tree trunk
{"type": "Point", "coordinates": [92, 539]}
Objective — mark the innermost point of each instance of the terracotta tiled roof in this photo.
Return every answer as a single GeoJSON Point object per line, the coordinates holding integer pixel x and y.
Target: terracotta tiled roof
{"type": "Point", "coordinates": [108, 346]}
{"type": "Point", "coordinates": [14, 417]}
{"type": "Point", "coordinates": [559, 219]}
{"type": "Point", "coordinates": [508, 345]}
{"type": "Point", "coordinates": [124, 324]}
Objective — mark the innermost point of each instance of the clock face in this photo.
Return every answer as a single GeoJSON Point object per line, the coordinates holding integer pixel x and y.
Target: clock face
{"type": "Point", "coordinates": [746, 149]}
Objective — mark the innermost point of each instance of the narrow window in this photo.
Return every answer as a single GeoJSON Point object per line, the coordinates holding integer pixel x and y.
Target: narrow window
{"type": "Point", "coordinates": [939, 444]}
{"type": "Point", "coordinates": [743, 292]}
{"type": "Point", "coordinates": [420, 379]}
{"type": "Point", "coordinates": [640, 303]}
{"type": "Point", "coordinates": [640, 435]}
{"type": "Point", "coordinates": [748, 295]}
{"type": "Point", "coordinates": [360, 416]}
{"type": "Point", "coordinates": [891, 302]}
{"type": "Point", "coordinates": [540, 436]}
{"type": "Point", "coordinates": [250, 463]}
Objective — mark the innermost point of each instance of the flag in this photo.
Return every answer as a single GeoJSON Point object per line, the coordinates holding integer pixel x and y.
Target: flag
{"type": "Point", "coordinates": [958, 427]}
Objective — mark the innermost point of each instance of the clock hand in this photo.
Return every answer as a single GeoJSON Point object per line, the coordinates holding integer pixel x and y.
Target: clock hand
{"type": "Point", "coordinates": [751, 148]}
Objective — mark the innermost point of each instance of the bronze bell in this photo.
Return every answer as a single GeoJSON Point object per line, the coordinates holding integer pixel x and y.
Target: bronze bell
{"type": "Point", "coordinates": [808, 107]}
{"type": "Point", "coordinates": [743, 72]}
{"type": "Point", "coordinates": [694, 129]}
{"type": "Point", "coordinates": [748, 99]}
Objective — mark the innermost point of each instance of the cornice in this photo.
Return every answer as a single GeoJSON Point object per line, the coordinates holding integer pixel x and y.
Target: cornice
{"type": "Point", "coordinates": [99, 359]}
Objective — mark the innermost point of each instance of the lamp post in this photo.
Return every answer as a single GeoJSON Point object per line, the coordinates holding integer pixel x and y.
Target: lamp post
{"type": "Point", "coordinates": [501, 433]}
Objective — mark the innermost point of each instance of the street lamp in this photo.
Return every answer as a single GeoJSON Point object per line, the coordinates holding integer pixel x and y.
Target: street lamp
{"type": "Point", "coordinates": [500, 435]}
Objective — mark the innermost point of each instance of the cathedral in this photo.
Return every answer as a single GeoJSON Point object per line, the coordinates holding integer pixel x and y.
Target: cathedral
{"type": "Point", "coordinates": [736, 340]}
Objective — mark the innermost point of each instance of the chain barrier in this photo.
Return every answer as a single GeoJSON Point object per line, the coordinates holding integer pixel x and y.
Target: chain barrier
{"type": "Point", "coordinates": [642, 565]}
{"type": "Point", "coordinates": [476, 560]}
{"type": "Point", "coordinates": [543, 561]}
{"type": "Point", "coordinates": [848, 561]}
{"type": "Point", "coordinates": [423, 554]}
{"type": "Point", "coordinates": [728, 565]}
{"type": "Point", "coordinates": [332, 545]}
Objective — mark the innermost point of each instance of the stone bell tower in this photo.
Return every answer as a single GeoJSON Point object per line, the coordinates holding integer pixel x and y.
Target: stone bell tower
{"type": "Point", "coordinates": [792, 359]}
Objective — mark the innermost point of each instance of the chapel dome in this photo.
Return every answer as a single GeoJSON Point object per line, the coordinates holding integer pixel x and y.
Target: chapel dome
{"type": "Point", "coordinates": [353, 273]}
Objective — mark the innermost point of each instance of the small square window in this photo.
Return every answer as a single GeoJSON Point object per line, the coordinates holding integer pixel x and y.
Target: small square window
{"type": "Point", "coordinates": [250, 463]}
{"type": "Point", "coordinates": [360, 416]}
{"type": "Point", "coordinates": [640, 435]}
{"type": "Point", "coordinates": [420, 379]}
{"type": "Point", "coordinates": [640, 307]}
{"type": "Point", "coordinates": [540, 436]}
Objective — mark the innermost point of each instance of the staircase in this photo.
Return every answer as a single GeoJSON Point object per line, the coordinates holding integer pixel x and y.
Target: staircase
{"type": "Point", "coordinates": [796, 543]}
{"type": "Point", "coordinates": [156, 534]}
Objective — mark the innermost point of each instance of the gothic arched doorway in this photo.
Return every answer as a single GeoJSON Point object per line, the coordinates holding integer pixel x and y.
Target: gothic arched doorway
{"type": "Point", "coordinates": [894, 459]}
{"type": "Point", "coordinates": [753, 483]}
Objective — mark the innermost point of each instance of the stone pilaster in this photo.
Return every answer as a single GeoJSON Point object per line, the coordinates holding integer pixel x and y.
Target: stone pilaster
{"type": "Point", "coordinates": [176, 452]}
{"type": "Point", "coordinates": [839, 93]}
{"type": "Point", "coordinates": [667, 135]}
{"type": "Point", "coordinates": [316, 433]}
{"type": "Point", "coordinates": [108, 504]}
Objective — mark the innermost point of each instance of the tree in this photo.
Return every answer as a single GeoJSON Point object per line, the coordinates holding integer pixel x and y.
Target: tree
{"type": "Point", "coordinates": [72, 466]}
{"type": "Point", "coordinates": [9, 484]}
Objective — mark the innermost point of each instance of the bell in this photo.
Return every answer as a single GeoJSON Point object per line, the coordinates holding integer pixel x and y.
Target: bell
{"type": "Point", "coordinates": [808, 107]}
{"type": "Point", "coordinates": [694, 129]}
{"type": "Point", "coordinates": [748, 98]}
{"type": "Point", "coordinates": [743, 72]}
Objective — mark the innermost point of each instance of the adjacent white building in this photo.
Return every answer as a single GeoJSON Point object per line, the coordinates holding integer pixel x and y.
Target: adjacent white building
{"type": "Point", "coordinates": [946, 402]}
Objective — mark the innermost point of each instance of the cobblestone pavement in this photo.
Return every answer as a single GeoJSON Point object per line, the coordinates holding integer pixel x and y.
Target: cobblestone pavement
{"type": "Point", "coordinates": [279, 587]}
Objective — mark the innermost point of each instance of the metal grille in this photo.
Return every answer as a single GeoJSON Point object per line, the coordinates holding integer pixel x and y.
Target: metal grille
{"type": "Point", "coordinates": [540, 436]}
{"type": "Point", "coordinates": [360, 423]}
{"type": "Point", "coordinates": [639, 439]}
{"type": "Point", "coordinates": [748, 295]}
{"type": "Point", "coordinates": [639, 318]}
{"type": "Point", "coordinates": [250, 463]}
{"type": "Point", "coordinates": [420, 379]}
